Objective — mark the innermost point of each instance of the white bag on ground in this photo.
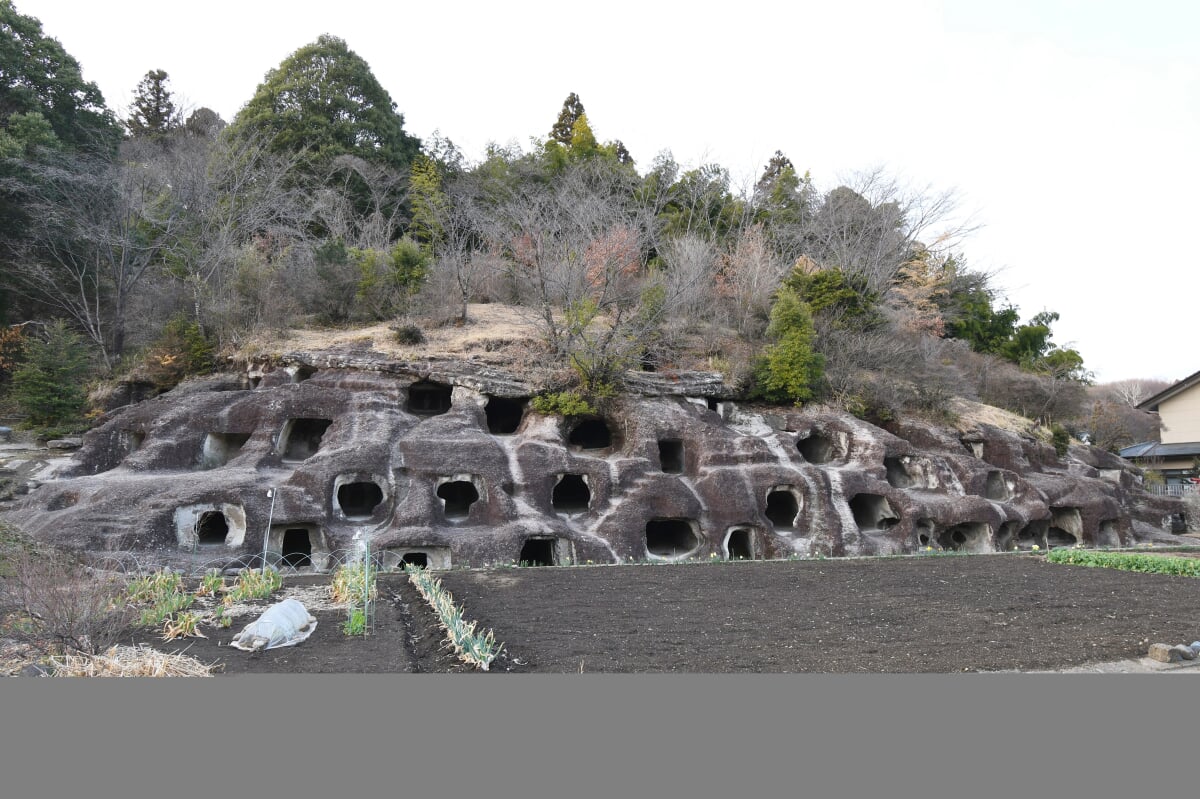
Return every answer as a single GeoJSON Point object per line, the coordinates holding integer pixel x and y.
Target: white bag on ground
{"type": "Point", "coordinates": [285, 623]}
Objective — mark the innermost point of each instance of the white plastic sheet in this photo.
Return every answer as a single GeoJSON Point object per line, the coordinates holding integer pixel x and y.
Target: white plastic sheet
{"type": "Point", "coordinates": [285, 623]}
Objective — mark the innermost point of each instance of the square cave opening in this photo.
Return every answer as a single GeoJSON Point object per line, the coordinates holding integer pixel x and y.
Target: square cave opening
{"type": "Point", "coordinates": [592, 433]}
{"type": "Point", "coordinates": [538, 552]}
{"type": "Point", "coordinates": [670, 455]}
{"type": "Point", "coordinates": [671, 538]}
{"type": "Point", "coordinates": [504, 415]}
{"type": "Point", "coordinates": [300, 439]}
{"type": "Point", "coordinates": [220, 448]}
{"type": "Point", "coordinates": [427, 398]}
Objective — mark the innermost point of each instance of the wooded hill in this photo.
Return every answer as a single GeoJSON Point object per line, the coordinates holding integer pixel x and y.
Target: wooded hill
{"type": "Point", "coordinates": [154, 243]}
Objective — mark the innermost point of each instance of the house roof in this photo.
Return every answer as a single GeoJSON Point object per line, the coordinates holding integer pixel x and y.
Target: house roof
{"type": "Point", "coordinates": [1152, 449]}
{"type": "Point", "coordinates": [1152, 403]}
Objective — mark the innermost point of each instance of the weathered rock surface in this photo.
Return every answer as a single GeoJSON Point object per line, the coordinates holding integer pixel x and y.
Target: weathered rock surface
{"type": "Point", "coordinates": [443, 462]}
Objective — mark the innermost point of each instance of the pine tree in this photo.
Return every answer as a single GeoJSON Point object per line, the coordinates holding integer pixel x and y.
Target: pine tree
{"type": "Point", "coordinates": [48, 387]}
{"type": "Point", "coordinates": [154, 112]}
{"type": "Point", "coordinates": [571, 111]}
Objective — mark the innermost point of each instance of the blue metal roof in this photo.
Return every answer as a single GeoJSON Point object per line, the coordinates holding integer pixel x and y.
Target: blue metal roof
{"type": "Point", "coordinates": [1152, 449]}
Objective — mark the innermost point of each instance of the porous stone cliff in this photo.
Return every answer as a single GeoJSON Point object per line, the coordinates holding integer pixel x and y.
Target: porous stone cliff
{"type": "Point", "coordinates": [443, 463]}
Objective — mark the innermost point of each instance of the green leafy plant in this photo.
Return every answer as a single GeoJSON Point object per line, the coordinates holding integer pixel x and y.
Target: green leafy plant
{"type": "Point", "coordinates": [562, 403]}
{"type": "Point", "coordinates": [357, 623]}
{"type": "Point", "coordinates": [1127, 561]}
{"type": "Point", "coordinates": [349, 583]}
{"type": "Point", "coordinates": [255, 584]}
{"type": "Point", "coordinates": [211, 584]}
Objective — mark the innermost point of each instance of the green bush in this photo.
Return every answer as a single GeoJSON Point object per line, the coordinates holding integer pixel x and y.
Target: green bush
{"type": "Point", "coordinates": [1060, 438]}
{"type": "Point", "coordinates": [409, 335]}
{"type": "Point", "coordinates": [1127, 561]}
{"type": "Point", "coordinates": [48, 386]}
{"type": "Point", "coordinates": [788, 369]}
{"type": "Point", "coordinates": [561, 403]}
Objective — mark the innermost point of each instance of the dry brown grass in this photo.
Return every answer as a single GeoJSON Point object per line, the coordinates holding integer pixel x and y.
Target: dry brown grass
{"type": "Point", "coordinates": [491, 327]}
{"type": "Point", "coordinates": [129, 661]}
{"type": "Point", "coordinates": [970, 414]}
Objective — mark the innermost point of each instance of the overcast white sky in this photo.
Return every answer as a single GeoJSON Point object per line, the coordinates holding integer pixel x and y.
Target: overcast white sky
{"type": "Point", "coordinates": [1071, 128]}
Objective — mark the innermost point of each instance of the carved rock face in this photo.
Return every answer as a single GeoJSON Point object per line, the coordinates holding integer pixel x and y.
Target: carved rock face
{"type": "Point", "coordinates": [451, 467]}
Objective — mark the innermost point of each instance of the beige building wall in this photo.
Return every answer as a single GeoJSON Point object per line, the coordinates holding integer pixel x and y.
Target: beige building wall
{"type": "Point", "coordinates": [1180, 417]}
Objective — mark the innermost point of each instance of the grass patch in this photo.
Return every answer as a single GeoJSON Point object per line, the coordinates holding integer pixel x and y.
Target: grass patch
{"type": "Point", "coordinates": [354, 584]}
{"type": "Point", "coordinates": [253, 584]}
{"type": "Point", "coordinates": [1127, 561]}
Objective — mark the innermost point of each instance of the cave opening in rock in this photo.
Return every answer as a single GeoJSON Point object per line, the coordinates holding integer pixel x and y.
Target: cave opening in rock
{"type": "Point", "coordinates": [571, 494]}
{"type": "Point", "coordinates": [220, 448]}
{"type": "Point", "coordinates": [924, 532]}
{"type": "Point", "coordinates": [302, 438]}
{"type": "Point", "coordinates": [359, 500]}
{"type": "Point", "coordinates": [133, 440]}
{"type": "Point", "coordinates": [897, 473]}
{"type": "Point", "coordinates": [418, 559]}
{"type": "Point", "coordinates": [670, 455]}
{"type": "Point", "coordinates": [713, 404]}
{"type": "Point", "coordinates": [1033, 533]}
{"type": "Point", "coordinates": [873, 512]}
{"type": "Point", "coordinates": [1006, 538]}
{"type": "Point", "coordinates": [782, 508]}
{"type": "Point", "coordinates": [427, 398]}
{"type": "Point", "coordinates": [503, 415]}
{"type": "Point", "coordinates": [1107, 535]}
{"type": "Point", "coordinates": [458, 496]}
{"type": "Point", "coordinates": [967, 537]}
{"type": "Point", "coordinates": [1058, 537]}
{"type": "Point", "coordinates": [670, 538]}
{"type": "Point", "coordinates": [303, 373]}
{"type": "Point", "coordinates": [816, 448]}
{"type": "Point", "coordinates": [740, 544]}
{"type": "Point", "coordinates": [254, 381]}
{"type": "Point", "coordinates": [996, 488]}
{"type": "Point", "coordinates": [592, 433]}
{"type": "Point", "coordinates": [537, 552]}
{"type": "Point", "coordinates": [296, 549]}
{"type": "Point", "coordinates": [211, 528]}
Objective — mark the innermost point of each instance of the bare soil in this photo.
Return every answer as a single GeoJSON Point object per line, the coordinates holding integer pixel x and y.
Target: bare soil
{"type": "Point", "coordinates": [917, 614]}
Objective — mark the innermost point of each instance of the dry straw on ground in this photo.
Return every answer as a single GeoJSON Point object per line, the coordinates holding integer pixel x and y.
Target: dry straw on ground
{"type": "Point", "coordinates": [129, 661]}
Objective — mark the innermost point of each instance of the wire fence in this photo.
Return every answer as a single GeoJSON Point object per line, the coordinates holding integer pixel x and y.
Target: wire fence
{"type": "Point", "coordinates": [188, 565]}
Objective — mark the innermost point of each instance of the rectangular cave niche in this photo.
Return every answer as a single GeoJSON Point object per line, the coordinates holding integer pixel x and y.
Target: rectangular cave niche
{"type": "Point", "coordinates": [427, 398]}
{"type": "Point", "coordinates": [671, 539]}
{"type": "Point", "coordinates": [504, 415]}
{"type": "Point", "coordinates": [300, 439]}
{"type": "Point", "coordinates": [670, 455]}
{"type": "Point", "coordinates": [299, 547]}
{"type": "Point", "coordinates": [423, 557]}
{"type": "Point", "coordinates": [220, 448]}
{"type": "Point", "coordinates": [539, 552]}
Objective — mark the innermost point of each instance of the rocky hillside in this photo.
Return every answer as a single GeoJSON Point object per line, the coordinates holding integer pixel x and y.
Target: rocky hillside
{"type": "Point", "coordinates": [439, 459]}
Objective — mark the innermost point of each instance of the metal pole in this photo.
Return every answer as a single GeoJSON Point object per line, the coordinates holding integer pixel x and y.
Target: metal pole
{"type": "Point", "coordinates": [267, 533]}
